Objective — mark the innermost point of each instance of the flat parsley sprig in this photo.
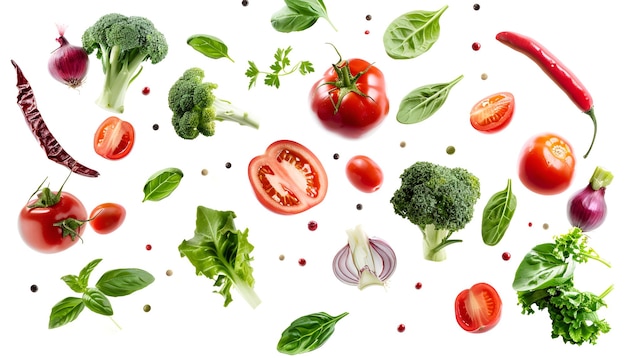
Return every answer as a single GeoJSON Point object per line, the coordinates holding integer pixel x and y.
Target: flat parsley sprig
{"type": "Point", "coordinates": [280, 67]}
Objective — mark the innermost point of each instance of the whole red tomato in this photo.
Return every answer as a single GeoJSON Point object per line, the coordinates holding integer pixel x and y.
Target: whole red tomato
{"type": "Point", "coordinates": [364, 174]}
{"type": "Point", "coordinates": [107, 217]}
{"type": "Point", "coordinates": [546, 164]}
{"type": "Point", "coordinates": [350, 99]}
{"type": "Point", "coordinates": [53, 222]}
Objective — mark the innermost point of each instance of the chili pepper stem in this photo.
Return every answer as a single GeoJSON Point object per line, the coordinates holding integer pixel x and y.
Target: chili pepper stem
{"type": "Point", "coordinates": [592, 114]}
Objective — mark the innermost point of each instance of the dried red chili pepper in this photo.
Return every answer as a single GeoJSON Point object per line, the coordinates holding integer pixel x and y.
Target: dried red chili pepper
{"type": "Point", "coordinates": [54, 151]}
{"type": "Point", "coordinates": [560, 74]}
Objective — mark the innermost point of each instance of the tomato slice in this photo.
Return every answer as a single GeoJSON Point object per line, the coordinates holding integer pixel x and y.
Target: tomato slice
{"type": "Point", "coordinates": [493, 113]}
{"type": "Point", "coordinates": [288, 178]}
{"type": "Point", "coordinates": [114, 139]}
{"type": "Point", "coordinates": [478, 308]}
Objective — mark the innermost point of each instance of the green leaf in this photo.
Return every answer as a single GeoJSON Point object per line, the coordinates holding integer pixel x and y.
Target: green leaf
{"type": "Point", "coordinates": [310, 8]}
{"type": "Point", "coordinates": [161, 184]}
{"type": "Point", "coordinates": [287, 20]}
{"type": "Point", "coordinates": [122, 282]}
{"type": "Point", "coordinates": [421, 103]}
{"type": "Point", "coordinates": [83, 277]}
{"type": "Point", "coordinates": [65, 312]}
{"type": "Point", "coordinates": [210, 46]}
{"type": "Point", "coordinates": [97, 302]}
{"type": "Point", "coordinates": [412, 34]}
{"type": "Point", "coordinates": [74, 283]}
{"type": "Point", "coordinates": [540, 268]}
{"type": "Point", "coordinates": [306, 67]}
{"type": "Point", "coordinates": [498, 214]}
{"type": "Point", "coordinates": [308, 333]}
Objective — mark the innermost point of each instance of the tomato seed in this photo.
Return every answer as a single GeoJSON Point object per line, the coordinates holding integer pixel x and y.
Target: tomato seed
{"type": "Point", "coordinates": [312, 225]}
{"type": "Point", "coordinates": [228, 165]}
{"type": "Point", "coordinates": [401, 327]}
{"type": "Point", "coordinates": [147, 308]}
{"type": "Point", "coordinates": [148, 247]}
{"type": "Point", "coordinates": [506, 256]}
{"type": "Point", "coordinates": [155, 127]}
{"type": "Point", "coordinates": [145, 91]}
{"type": "Point", "coordinates": [368, 17]}
{"type": "Point", "coordinates": [418, 286]}
{"type": "Point", "coordinates": [34, 288]}
{"type": "Point", "coordinates": [475, 46]}
{"type": "Point", "coordinates": [476, 7]}
{"type": "Point", "coordinates": [169, 273]}
{"type": "Point", "coordinates": [302, 262]}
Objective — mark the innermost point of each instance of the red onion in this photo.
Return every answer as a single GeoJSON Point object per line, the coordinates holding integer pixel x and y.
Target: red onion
{"type": "Point", "coordinates": [68, 64]}
{"type": "Point", "coordinates": [364, 261]}
{"type": "Point", "coordinates": [587, 208]}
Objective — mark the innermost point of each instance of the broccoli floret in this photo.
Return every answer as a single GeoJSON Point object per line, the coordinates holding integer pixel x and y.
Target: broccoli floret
{"type": "Point", "coordinates": [439, 200]}
{"type": "Point", "coordinates": [195, 108]}
{"type": "Point", "coordinates": [122, 44]}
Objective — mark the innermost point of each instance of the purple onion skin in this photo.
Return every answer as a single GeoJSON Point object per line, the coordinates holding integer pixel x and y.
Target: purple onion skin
{"type": "Point", "coordinates": [587, 208]}
{"type": "Point", "coordinates": [68, 64]}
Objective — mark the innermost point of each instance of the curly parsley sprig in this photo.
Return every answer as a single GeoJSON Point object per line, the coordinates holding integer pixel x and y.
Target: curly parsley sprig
{"type": "Point", "coordinates": [280, 67]}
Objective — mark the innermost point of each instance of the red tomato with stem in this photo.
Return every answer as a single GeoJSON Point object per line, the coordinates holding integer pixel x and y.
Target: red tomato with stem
{"type": "Point", "coordinates": [350, 98]}
{"type": "Point", "coordinates": [493, 113]}
{"type": "Point", "coordinates": [53, 222]}
{"type": "Point", "coordinates": [107, 217]}
{"type": "Point", "coordinates": [114, 139]}
{"type": "Point", "coordinates": [478, 309]}
{"type": "Point", "coordinates": [288, 178]}
{"type": "Point", "coordinates": [546, 164]}
{"type": "Point", "coordinates": [364, 173]}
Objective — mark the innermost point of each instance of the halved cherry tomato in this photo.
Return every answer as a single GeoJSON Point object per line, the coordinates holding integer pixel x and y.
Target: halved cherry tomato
{"type": "Point", "coordinates": [107, 217]}
{"type": "Point", "coordinates": [493, 113]}
{"type": "Point", "coordinates": [288, 178]}
{"type": "Point", "coordinates": [364, 173]}
{"type": "Point", "coordinates": [546, 164]}
{"type": "Point", "coordinates": [114, 139]}
{"type": "Point", "coordinates": [478, 309]}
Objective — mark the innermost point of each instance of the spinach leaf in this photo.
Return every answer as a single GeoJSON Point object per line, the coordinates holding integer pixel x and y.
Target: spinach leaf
{"type": "Point", "coordinates": [161, 184]}
{"type": "Point", "coordinates": [497, 215]}
{"type": "Point", "coordinates": [288, 20]}
{"type": "Point", "coordinates": [308, 333]}
{"type": "Point", "coordinates": [412, 34]}
{"type": "Point", "coordinates": [423, 102]}
{"type": "Point", "coordinates": [210, 46]}
{"type": "Point", "coordinates": [540, 268]}
{"type": "Point", "coordinates": [122, 282]}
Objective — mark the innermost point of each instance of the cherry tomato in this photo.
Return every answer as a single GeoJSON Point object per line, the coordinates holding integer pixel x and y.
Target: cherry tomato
{"type": "Point", "coordinates": [350, 98]}
{"type": "Point", "coordinates": [478, 308]}
{"type": "Point", "coordinates": [107, 217]}
{"type": "Point", "coordinates": [38, 226]}
{"type": "Point", "coordinates": [546, 164]}
{"type": "Point", "coordinates": [288, 178]}
{"type": "Point", "coordinates": [114, 139]}
{"type": "Point", "coordinates": [364, 173]}
{"type": "Point", "coordinates": [493, 113]}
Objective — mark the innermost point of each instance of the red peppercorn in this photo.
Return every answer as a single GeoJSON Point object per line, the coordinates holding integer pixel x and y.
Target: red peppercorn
{"type": "Point", "coordinates": [475, 46]}
{"type": "Point", "coordinates": [312, 225]}
{"type": "Point", "coordinates": [302, 262]}
{"type": "Point", "coordinates": [506, 256]}
{"type": "Point", "coordinates": [148, 247]}
{"type": "Point", "coordinates": [418, 285]}
{"type": "Point", "coordinates": [145, 91]}
{"type": "Point", "coordinates": [401, 327]}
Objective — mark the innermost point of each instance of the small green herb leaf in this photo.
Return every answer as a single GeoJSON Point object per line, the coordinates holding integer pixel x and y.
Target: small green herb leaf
{"type": "Point", "coordinates": [310, 8]}
{"type": "Point", "coordinates": [421, 103]}
{"type": "Point", "coordinates": [497, 215]}
{"type": "Point", "coordinates": [287, 20]}
{"type": "Point", "coordinates": [97, 302]}
{"type": "Point", "coordinates": [122, 282]}
{"type": "Point", "coordinates": [308, 333]}
{"type": "Point", "coordinates": [65, 312]}
{"type": "Point", "coordinates": [161, 184]}
{"type": "Point", "coordinates": [306, 67]}
{"type": "Point", "coordinates": [412, 34]}
{"type": "Point", "coordinates": [83, 277]}
{"type": "Point", "coordinates": [279, 68]}
{"type": "Point", "coordinates": [210, 46]}
{"type": "Point", "coordinates": [74, 283]}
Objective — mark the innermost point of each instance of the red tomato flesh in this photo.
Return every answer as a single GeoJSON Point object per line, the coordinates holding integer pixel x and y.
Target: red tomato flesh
{"type": "Point", "coordinates": [478, 309]}
{"type": "Point", "coordinates": [364, 173]}
{"type": "Point", "coordinates": [546, 164]}
{"type": "Point", "coordinates": [107, 217]}
{"type": "Point", "coordinates": [114, 139]}
{"type": "Point", "coordinates": [37, 225]}
{"type": "Point", "coordinates": [493, 113]}
{"type": "Point", "coordinates": [288, 178]}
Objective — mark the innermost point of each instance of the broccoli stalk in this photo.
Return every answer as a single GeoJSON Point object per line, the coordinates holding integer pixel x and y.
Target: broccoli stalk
{"type": "Point", "coordinates": [122, 44]}
{"type": "Point", "coordinates": [439, 200]}
{"type": "Point", "coordinates": [195, 109]}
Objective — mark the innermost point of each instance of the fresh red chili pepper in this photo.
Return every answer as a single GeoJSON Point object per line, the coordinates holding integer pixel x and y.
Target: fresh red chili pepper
{"type": "Point", "coordinates": [54, 151]}
{"type": "Point", "coordinates": [560, 74]}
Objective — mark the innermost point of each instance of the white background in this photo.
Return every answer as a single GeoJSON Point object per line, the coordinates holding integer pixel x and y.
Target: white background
{"type": "Point", "coordinates": [187, 319]}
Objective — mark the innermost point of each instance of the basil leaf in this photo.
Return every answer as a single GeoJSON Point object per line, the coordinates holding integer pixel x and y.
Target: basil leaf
{"type": "Point", "coordinates": [288, 20]}
{"type": "Point", "coordinates": [412, 34]}
{"type": "Point", "coordinates": [97, 302]}
{"type": "Point", "coordinates": [122, 282]}
{"type": "Point", "coordinates": [308, 333]}
{"type": "Point", "coordinates": [65, 311]}
{"type": "Point", "coordinates": [310, 8]}
{"type": "Point", "coordinates": [83, 277]}
{"type": "Point", "coordinates": [210, 46]}
{"type": "Point", "coordinates": [540, 268]}
{"type": "Point", "coordinates": [161, 184]}
{"type": "Point", "coordinates": [497, 215]}
{"type": "Point", "coordinates": [423, 102]}
{"type": "Point", "coordinates": [74, 283]}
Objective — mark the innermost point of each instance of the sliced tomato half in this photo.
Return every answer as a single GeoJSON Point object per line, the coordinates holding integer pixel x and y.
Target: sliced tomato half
{"type": "Point", "coordinates": [288, 178]}
{"type": "Point", "coordinates": [478, 308]}
{"type": "Point", "coordinates": [493, 113]}
{"type": "Point", "coordinates": [114, 139]}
